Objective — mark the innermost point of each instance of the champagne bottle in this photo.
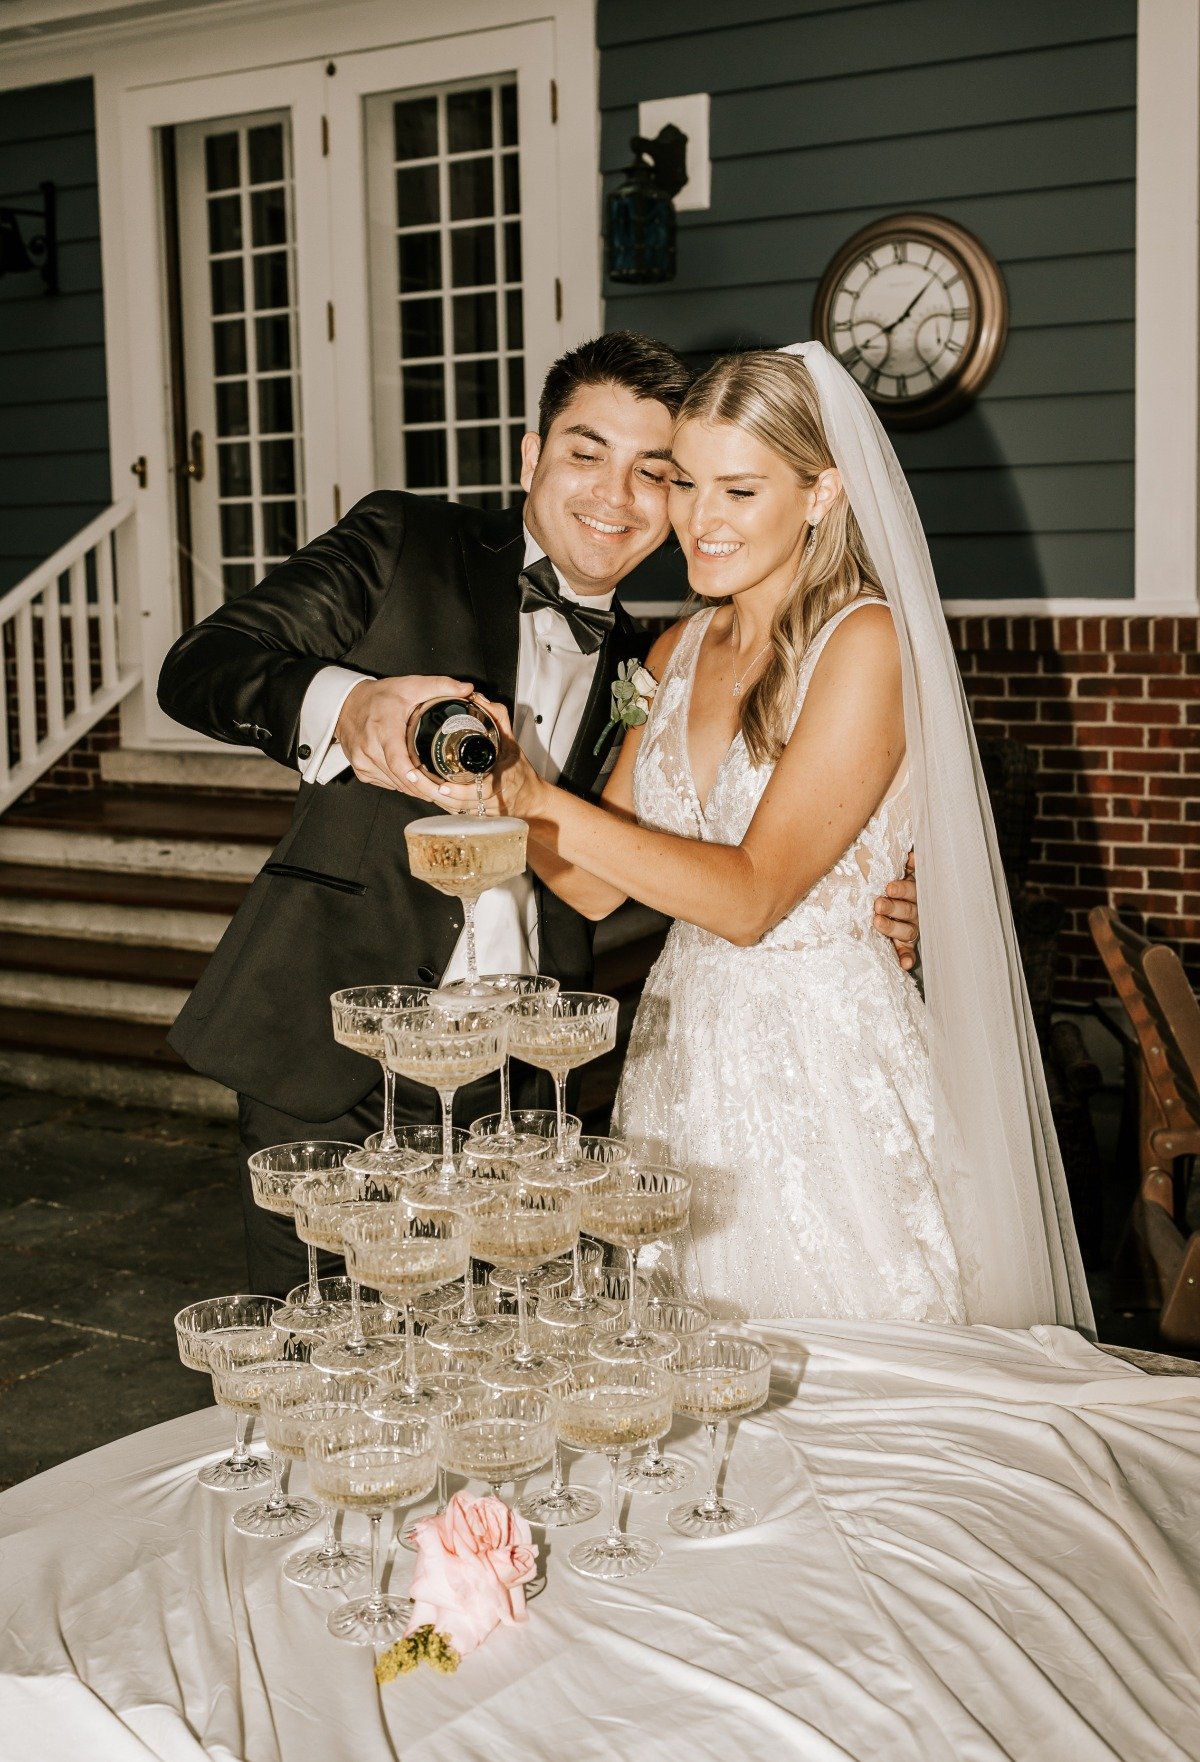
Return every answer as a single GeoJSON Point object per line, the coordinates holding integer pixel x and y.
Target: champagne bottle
{"type": "Point", "coordinates": [452, 738]}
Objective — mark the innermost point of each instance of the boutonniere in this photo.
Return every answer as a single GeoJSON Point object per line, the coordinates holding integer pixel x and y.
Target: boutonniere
{"type": "Point", "coordinates": [632, 694]}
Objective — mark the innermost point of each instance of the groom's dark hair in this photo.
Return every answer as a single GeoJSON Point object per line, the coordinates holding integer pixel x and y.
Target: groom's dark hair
{"type": "Point", "coordinates": [637, 364]}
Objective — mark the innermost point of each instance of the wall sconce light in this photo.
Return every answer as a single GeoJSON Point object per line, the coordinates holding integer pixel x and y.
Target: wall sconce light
{"type": "Point", "coordinates": [640, 215]}
{"type": "Point", "coordinates": [19, 255]}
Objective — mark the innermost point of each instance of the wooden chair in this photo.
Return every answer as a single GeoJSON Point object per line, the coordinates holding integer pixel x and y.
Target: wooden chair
{"type": "Point", "coordinates": [1157, 1264]}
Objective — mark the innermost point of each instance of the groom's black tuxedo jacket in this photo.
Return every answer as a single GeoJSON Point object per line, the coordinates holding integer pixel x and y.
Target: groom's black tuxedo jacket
{"type": "Point", "coordinates": [401, 585]}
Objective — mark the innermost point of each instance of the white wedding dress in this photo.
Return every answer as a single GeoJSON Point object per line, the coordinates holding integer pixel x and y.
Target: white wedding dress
{"type": "Point", "coordinates": [791, 1079]}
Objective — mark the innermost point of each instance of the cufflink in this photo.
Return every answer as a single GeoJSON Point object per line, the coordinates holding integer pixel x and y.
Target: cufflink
{"type": "Point", "coordinates": [304, 752]}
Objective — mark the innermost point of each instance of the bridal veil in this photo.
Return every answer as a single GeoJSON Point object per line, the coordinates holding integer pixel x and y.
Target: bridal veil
{"type": "Point", "coordinates": [999, 1170]}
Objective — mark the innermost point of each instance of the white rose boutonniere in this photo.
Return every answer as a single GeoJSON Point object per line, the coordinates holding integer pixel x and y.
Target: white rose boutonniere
{"type": "Point", "coordinates": [632, 694]}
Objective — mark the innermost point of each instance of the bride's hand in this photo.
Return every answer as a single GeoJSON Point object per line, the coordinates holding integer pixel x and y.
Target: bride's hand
{"type": "Point", "coordinates": [515, 783]}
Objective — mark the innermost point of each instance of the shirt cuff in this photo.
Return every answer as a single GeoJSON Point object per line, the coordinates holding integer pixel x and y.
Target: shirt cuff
{"type": "Point", "coordinates": [318, 753]}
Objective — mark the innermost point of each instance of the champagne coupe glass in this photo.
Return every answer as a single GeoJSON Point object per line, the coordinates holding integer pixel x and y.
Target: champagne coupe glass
{"type": "Point", "coordinates": [359, 1013]}
{"type": "Point", "coordinates": [449, 1386]}
{"type": "Point", "coordinates": [497, 1435]}
{"type": "Point", "coordinates": [463, 855]}
{"type": "Point", "coordinates": [196, 1327]}
{"type": "Point", "coordinates": [406, 1250]}
{"type": "Point", "coordinates": [502, 989]}
{"type": "Point", "coordinates": [559, 1505]}
{"type": "Point", "coordinates": [529, 1122]}
{"type": "Point", "coordinates": [687, 1323]}
{"type": "Point", "coordinates": [333, 1565]}
{"type": "Point", "coordinates": [324, 1205]}
{"type": "Point", "coordinates": [245, 1388]}
{"type": "Point", "coordinates": [445, 1051]}
{"type": "Point", "coordinates": [610, 1408]}
{"type": "Point", "coordinates": [482, 1336]}
{"type": "Point", "coordinates": [542, 1284]}
{"type": "Point", "coordinates": [557, 1034]}
{"type": "Point", "coordinates": [723, 1377]}
{"type": "Point", "coordinates": [274, 1175]}
{"type": "Point", "coordinates": [520, 1229]}
{"type": "Point", "coordinates": [592, 1159]}
{"type": "Point", "coordinates": [365, 1464]}
{"type": "Point", "coordinates": [633, 1206]}
{"type": "Point", "coordinates": [424, 1138]}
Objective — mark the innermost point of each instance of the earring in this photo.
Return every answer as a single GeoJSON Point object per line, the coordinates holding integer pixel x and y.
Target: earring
{"type": "Point", "coordinates": [811, 546]}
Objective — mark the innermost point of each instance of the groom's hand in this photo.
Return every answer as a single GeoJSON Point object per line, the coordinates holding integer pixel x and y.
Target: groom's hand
{"type": "Point", "coordinates": [896, 915]}
{"type": "Point", "coordinates": [371, 729]}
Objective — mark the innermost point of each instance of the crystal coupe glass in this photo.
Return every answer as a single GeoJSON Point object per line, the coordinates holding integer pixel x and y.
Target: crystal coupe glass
{"type": "Point", "coordinates": [723, 1377]}
{"type": "Point", "coordinates": [497, 1435]}
{"type": "Point", "coordinates": [359, 1013]}
{"type": "Point", "coordinates": [365, 1464]}
{"type": "Point", "coordinates": [196, 1328]}
{"type": "Point", "coordinates": [634, 1206]}
{"type": "Point", "coordinates": [558, 1034]}
{"type": "Point", "coordinates": [246, 1388]}
{"type": "Point", "coordinates": [610, 1408]}
{"type": "Point", "coordinates": [446, 1051]}
{"type": "Point", "coordinates": [519, 1229]}
{"type": "Point", "coordinates": [501, 990]}
{"type": "Point", "coordinates": [335, 1564]}
{"type": "Point", "coordinates": [405, 1250]}
{"type": "Point", "coordinates": [687, 1323]}
{"type": "Point", "coordinates": [463, 855]}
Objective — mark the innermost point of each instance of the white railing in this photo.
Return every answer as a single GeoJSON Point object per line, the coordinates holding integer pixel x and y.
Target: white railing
{"type": "Point", "coordinates": [61, 649]}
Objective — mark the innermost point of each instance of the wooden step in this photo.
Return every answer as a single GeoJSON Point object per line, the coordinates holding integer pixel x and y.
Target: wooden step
{"type": "Point", "coordinates": [94, 958]}
{"type": "Point", "coordinates": [83, 1036]}
{"type": "Point", "coordinates": [120, 887]}
{"type": "Point", "coordinates": [160, 813]}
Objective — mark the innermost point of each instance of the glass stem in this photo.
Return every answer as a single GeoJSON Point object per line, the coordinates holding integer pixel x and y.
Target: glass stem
{"type": "Point", "coordinates": [329, 1547]}
{"type": "Point", "coordinates": [442, 1490]}
{"type": "Point", "coordinates": [355, 1341]}
{"type": "Point", "coordinates": [412, 1382]}
{"type": "Point", "coordinates": [613, 1538]}
{"type": "Point", "coordinates": [387, 1139]}
{"type": "Point", "coordinates": [631, 1322]}
{"type": "Point", "coordinates": [524, 1351]}
{"type": "Point", "coordinates": [376, 1596]}
{"type": "Point", "coordinates": [447, 1170]}
{"type": "Point", "coordinates": [711, 1505]}
{"type": "Point", "coordinates": [312, 1297]}
{"type": "Point", "coordinates": [276, 1499]}
{"type": "Point", "coordinates": [578, 1288]}
{"type": "Point", "coordinates": [469, 925]}
{"type": "Point", "coordinates": [468, 1315]}
{"type": "Point", "coordinates": [557, 1485]}
{"type": "Point", "coordinates": [505, 1128]}
{"type": "Point", "coordinates": [560, 1108]}
{"type": "Point", "coordinates": [239, 1456]}
{"type": "Point", "coordinates": [653, 1457]}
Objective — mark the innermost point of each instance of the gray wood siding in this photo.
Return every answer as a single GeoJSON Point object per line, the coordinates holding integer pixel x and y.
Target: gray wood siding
{"type": "Point", "coordinates": [1017, 121]}
{"type": "Point", "coordinates": [54, 465]}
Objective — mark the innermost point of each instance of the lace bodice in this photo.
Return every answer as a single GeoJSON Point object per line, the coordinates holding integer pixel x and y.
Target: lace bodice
{"type": "Point", "coordinates": [664, 794]}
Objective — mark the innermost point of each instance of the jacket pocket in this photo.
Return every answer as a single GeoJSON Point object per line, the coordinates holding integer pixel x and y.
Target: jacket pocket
{"type": "Point", "coordinates": [293, 872]}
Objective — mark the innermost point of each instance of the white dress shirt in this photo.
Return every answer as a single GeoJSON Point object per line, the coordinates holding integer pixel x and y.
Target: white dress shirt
{"type": "Point", "coordinates": [554, 680]}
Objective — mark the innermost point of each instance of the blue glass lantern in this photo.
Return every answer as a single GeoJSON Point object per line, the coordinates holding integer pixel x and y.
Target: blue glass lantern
{"type": "Point", "coordinates": [640, 214]}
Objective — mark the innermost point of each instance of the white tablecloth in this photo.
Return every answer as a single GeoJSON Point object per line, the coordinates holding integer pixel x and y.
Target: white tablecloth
{"type": "Point", "coordinates": [974, 1544]}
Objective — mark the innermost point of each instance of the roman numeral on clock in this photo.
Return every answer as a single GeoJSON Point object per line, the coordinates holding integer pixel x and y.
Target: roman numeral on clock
{"type": "Point", "coordinates": [850, 359]}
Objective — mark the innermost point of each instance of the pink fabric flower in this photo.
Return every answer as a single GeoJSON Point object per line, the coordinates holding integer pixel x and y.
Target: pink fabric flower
{"type": "Point", "coordinates": [472, 1564]}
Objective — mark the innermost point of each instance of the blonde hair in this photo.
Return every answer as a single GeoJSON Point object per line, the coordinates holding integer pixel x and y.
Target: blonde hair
{"type": "Point", "coordinates": [773, 398]}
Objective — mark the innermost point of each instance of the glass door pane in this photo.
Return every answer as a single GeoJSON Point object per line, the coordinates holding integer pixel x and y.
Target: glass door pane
{"type": "Point", "coordinates": [240, 359]}
{"type": "Point", "coordinates": [447, 298]}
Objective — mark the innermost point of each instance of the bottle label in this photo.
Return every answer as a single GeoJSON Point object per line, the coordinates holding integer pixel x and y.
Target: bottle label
{"type": "Point", "coordinates": [463, 725]}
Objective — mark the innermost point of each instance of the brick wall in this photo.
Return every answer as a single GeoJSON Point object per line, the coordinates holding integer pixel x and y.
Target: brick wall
{"type": "Point", "coordinates": [1111, 706]}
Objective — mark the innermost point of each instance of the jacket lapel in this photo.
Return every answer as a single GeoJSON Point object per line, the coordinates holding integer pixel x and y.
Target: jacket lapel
{"type": "Point", "coordinates": [584, 764]}
{"type": "Point", "coordinates": [492, 556]}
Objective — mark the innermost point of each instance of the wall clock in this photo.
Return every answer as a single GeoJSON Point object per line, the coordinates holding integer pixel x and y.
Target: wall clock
{"type": "Point", "coordinates": [915, 308]}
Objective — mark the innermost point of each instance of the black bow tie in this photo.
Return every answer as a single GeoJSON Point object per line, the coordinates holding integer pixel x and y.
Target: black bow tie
{"type": "Point", "coordinates": [589, 624]}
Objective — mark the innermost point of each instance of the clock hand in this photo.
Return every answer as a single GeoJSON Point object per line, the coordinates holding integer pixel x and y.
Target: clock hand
{"type": "Point", "coordinates": [889, 328]}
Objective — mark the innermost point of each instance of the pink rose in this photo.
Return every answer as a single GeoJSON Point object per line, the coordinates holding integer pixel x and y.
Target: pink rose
{"type": "Point", "coordinates": [472, 1564]}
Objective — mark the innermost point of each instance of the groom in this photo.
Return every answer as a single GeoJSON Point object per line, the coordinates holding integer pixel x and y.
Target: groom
{"type": "Point", "coordinates": [321, 666]}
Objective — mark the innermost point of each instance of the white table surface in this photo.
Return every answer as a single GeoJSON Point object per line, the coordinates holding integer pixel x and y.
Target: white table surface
{"type": "Point", "coordinates": [974, 1544]}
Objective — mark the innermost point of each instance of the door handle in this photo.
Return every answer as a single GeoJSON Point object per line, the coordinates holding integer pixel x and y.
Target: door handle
{"type": "Point", "coordinates": [193, 465]}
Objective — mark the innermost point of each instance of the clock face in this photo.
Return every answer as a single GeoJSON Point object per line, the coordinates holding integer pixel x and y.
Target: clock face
{"type": "Point", "coordinates": [902, 317]}
{"type": "Point", "coordinates": [915, 307]}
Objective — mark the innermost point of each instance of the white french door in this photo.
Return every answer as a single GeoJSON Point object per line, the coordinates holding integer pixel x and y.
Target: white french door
{"type": "Point", "coordinates": [240, 357]}
{"type": "Point", "coordinates": [340, 274]}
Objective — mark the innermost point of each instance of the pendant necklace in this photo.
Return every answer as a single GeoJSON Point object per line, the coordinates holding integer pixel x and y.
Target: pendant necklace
{"type": "Point", "coordinates": [738, 679]}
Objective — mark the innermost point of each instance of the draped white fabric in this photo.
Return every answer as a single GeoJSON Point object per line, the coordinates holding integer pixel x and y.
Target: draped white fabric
{"type": "Point", "coordinates": [1000, 1172]}
{"type": "Point", "coordinates": [974, 1544]}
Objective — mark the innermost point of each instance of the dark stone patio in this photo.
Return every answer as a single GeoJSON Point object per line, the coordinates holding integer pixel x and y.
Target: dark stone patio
{"type": "Point", "coordinates": [111, 1220]}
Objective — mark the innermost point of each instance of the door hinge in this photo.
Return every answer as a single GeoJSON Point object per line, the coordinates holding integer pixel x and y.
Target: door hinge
{"type": "Point", "coordinates": [558, 309]}
{"type": "Point", "coordinates": [554, 100]}
{"type": "Point", "coordinates": [324, 137]}
{"type": "Point", "coordinates": [337, 501]}
{"type": "Point", "coordinates": [329, 320]}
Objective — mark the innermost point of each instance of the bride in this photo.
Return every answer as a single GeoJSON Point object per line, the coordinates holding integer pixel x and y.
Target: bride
{"type": "Point", "coordinates": [855, 1150]}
